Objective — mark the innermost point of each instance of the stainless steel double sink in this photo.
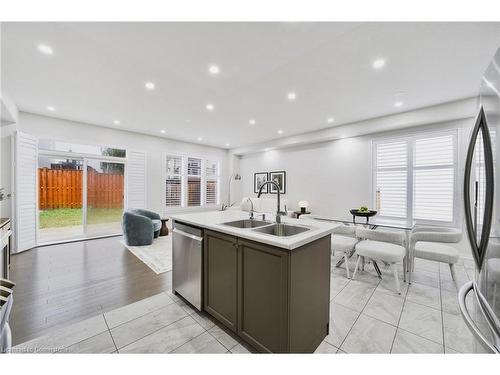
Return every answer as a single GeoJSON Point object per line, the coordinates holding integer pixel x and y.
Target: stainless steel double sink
{"type": "Point", "coordinates": [266, 227]}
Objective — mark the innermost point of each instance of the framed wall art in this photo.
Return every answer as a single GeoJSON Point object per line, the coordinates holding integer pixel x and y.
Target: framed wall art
{"type": "Point", "coordinates": [280, 178]}
{"type": "Point", "coordinates": [258, 180]}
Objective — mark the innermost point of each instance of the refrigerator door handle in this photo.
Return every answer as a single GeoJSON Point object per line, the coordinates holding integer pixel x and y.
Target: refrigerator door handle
{"type": "Point", "coordinates": [462, 295]}
{"type": "Point", "coordinates": [479, 250]}
{"type": "Point", "coordinates": [476, 195]}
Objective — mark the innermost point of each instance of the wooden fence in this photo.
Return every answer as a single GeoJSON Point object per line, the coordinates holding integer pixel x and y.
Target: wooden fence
{"type": "Point", "coordinates": [62, 188]}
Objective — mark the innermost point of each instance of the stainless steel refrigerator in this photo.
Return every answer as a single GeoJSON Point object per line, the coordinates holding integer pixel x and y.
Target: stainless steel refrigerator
{"type": "Point", "coordinates": [482, 216]}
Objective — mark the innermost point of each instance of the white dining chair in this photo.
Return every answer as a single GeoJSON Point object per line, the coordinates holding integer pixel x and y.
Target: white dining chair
{"type": "Point", "coordinates": [343, 241]}
{"type": "Point", "coordinates": [386, 246]}
{"type": "Point", "coordinates": [433, 243]}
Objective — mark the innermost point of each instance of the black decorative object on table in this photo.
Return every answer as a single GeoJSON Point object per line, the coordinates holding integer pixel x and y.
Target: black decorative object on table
{"type": "Point", "coordinates": [368, 213]}
{"type": "Point", "coordinates": [164, 228]}
{"type": "Point", "coordinates": [301, 212]}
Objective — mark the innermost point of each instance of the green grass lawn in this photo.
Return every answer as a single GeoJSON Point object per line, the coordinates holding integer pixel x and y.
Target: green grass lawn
{"type": "Point", "coordinates": [65, 217]}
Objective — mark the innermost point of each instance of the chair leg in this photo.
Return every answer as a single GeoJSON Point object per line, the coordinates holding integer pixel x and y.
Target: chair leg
{"type": "Point", "coordinates": [410, 261]}
{"type": "Point", "coordinates": [454, 275]}
{"type": "Point", "coordinates": [405, 264]}
{"type": "Point", "coordinates": [362, 263]}
{"type": "Point", "coordinates": [396, 277]}
{"type": "Point", "coordinates": [346, 265]}
{"type": "Point", "coordinates": [356, 268]}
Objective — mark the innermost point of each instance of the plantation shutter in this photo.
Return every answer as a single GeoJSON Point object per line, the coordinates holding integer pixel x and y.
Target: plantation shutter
{"type": "Point", "coordinates": [136, 179]}
{"type": "Point", "coordinates": [434, 178]}
{"type": "Point", "coordinates": [173, 192]}
{"type": "Point", "coordinates": [194, 182]}
{"type": "Point", "coordinates": [391, 178]}
{"type": "Point", "coordinates": [25, 191]}
{"type": "Point", "coordinates": [212, 182]}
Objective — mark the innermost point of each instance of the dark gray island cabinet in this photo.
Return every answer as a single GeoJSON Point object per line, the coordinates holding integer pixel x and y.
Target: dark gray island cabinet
{"type": "Point", "coordinates": [275, 299]}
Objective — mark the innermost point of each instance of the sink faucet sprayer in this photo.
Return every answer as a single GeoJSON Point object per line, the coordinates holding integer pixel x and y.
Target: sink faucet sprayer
{"type": "Point", "coordinates": [251, 210]}
{"type": "Point", "coordinates": [279, 213]}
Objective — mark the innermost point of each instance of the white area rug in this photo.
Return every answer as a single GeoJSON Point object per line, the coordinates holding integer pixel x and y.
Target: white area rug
{"type": "Point", "coordinates": [157, 256]}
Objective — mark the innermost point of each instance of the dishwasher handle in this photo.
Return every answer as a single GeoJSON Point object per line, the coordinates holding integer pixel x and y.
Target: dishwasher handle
{"type": "Point", "coordinates": [185, 234]}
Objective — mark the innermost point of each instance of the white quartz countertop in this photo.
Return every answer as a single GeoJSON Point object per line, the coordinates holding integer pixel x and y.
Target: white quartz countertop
{"type": "Point", "coordinates": [213, 220]}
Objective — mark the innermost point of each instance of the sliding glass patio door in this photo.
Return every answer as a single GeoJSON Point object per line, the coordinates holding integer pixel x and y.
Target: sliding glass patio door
{"type": "Point", "coordinates": [104, 197]}
{"type": "Point", "coordinates": [60, 199]}
{"type": "Point", "coordinates": [78, 198]}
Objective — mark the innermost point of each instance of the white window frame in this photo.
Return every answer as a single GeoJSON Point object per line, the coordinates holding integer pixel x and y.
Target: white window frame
{"type": "Point", "coordinates": [184, 181]}
{"type": "Point", "coordinates": [410, 139]}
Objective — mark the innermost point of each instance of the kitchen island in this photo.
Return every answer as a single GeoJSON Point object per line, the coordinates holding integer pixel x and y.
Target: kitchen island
{"type": "Point", "coordinates": [271, 290]}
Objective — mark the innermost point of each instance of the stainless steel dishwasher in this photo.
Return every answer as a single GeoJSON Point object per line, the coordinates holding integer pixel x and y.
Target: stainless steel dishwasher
{"type": "Point", "coordinates": [187, 258]}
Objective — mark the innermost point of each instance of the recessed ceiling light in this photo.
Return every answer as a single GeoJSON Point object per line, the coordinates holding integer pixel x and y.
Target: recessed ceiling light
{"type": "Point", "coordinates": [378, 64]}
{"type": "Point", "coordinates": [280, 131]}
{"type": "Point", "coordinates": [210, 107]}
{"type": "Point", "coordinates": [162, 131]}
{"type": "Point", "coordinates": [116, 122]}
{"type": "Point", "coordinates": [199, 139]}
{"type": "Point", "coordinates": [149, 85]}
{"type": "Point", "coordinates": [252, 122]}
{"type": "Point", "coordinates": [227, 144]}
{"type": "Point", "coordinates": [330, 120]}
{"type": "Point", "coordinates": [291, 96]}
{"type": "Point", "coordinates": [398, 103]}
{"type": "Point", "coordinates": [45, 49]}
{"type": "Point", "coordinates": [214, 69]}
{"type": "Point", "coordinates": [50, 108]}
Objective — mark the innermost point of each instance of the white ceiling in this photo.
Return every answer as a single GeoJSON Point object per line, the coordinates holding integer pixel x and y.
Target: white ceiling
{"type": "Point", "coordinates": [98, 70]}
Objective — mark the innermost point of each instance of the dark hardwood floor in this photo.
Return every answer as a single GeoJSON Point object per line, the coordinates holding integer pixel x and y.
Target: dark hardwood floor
{"type": "Point", "coordinates": [62, 284]}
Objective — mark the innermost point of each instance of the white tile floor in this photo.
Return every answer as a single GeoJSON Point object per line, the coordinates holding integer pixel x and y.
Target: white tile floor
{"type": "Point", "coordinates": [367, 316]}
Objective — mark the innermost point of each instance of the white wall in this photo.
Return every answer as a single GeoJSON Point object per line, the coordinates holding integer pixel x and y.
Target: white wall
{"type": "Point", "coordinates": [332, 176]}
{"type": "Point", "coordinates": [156, 147]}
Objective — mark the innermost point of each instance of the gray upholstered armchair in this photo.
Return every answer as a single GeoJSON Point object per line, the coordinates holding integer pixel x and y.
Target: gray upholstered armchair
{"type": "Point", "coordinates": [140, 227]}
